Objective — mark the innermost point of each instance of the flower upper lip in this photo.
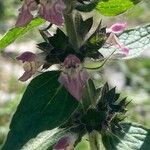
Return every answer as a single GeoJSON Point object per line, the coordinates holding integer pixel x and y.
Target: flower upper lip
{"type": "Point", "coordinates": [112, 39]}
{"type": "Point", "coordinates": [51, 11]}
{"type": "Point", "coordinates": [31, 63]}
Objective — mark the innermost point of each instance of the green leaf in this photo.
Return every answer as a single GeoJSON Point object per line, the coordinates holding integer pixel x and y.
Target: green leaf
{"type": "Point", "coordinates": [83, 26]}
{"type": "Point", "coordinates": [90, 95]}
{"type": "Point", "coordinates": [131, 137]}
{"type": "Point", "coordinates": [94, 43]}
{"type": "Point", "coordinates": [16, 32]}
{"type": "Point", "coordinates": [59, 40]}
{"type": "Point", "coordinates": [93, 64]}
{"type": "Point", "coordinates": [115, 7]}
{"type": "Point", "coordinates": [45, 105]}
{"type": "Point", "coordinates": [45, 140]}
{"type": "Point", "coordinates": [137, 40]}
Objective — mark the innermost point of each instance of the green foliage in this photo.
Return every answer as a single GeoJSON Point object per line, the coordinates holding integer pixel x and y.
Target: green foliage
{"type": "Point", "coordinates": [136, 39]}
{"type": "Point", "coordinates": [90, 95]}
{"type": "Point", "coordinates": [83, 26]}
{"type": "Point", "coordinates": [115, 7]}
{"type": "Point", "coordinates": [131, 137]}
{"type": "Point", "coordinates": [94, 43]}
{"type": "Point", "coordinates": [45, 140]}
{"type": "Point", "coordinates": [16, 32]}
{"type": "Point", "coordinates": [45, 105]}
{"type": "Point", "coordinates": [93, 64]}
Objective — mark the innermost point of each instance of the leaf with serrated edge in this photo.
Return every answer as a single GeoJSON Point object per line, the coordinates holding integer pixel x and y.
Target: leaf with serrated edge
{"type": "Point", "coordinates": [137, 40]}
{"type": "Point", "coordinates": [16, 32]}
{"type": "Point", "coordinates": [132, 137]}
{"type": "Point", "coordinates": [115, 7]}
{"type": "Point", "coordinates": [45, 105]}
{"type": "Point", "coordinates": [90, 95]}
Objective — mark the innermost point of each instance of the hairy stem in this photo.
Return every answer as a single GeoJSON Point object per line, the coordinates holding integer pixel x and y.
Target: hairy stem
{"type": "Point", "coordinates": [70, 26]}
{"type": "Point", "coordinates": [94, 140]}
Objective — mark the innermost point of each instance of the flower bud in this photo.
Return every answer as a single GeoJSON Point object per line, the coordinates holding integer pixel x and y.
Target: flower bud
{"type": "Point", "coordinates": [66, 143]}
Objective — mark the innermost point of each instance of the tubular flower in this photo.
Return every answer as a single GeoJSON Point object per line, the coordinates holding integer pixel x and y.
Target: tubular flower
{"type": "Point", "coordinates": [117, 28]}
{"type": "Point", "coordinates": [50, 10]}
{"type": "Point", "coordinates": [66, 143]}
{"type": "Point", "coordinates": [73, 76]}
{"type": "Point", "coordinates": [31, 63]}
{"type": "Point", "coordinates": [25, 15]}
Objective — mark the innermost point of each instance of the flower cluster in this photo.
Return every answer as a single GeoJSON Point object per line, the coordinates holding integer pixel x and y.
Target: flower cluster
{"type": "Point", "coordinates": [50, 10]}
{"type": "Point", "coordinates": [114, 30]}
{"type": "Point", "coordinates": [73, 75]}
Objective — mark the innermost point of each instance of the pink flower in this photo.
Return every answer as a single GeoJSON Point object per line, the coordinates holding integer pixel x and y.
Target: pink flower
{"type": "Point", "coordinates": [52, 11]}
{"type": "Point", "coordinates": [73, 76]}
{"type": "Point", "coordinates": [31, 63]}
{"type": "Point", "coordinates": [25, 15]}
{"type": "Point", "coordinates": [66, 143]}
{"type": "Point", "coordinates": [117, 28]}
{"type": "Point", "coordinates": [113, 39]}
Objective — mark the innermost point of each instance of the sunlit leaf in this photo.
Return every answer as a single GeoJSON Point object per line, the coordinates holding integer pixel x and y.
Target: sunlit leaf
{"type": "Point", "coordinates": [131, 137]}
{"type": "Point", "coordinates": [115, 7]}
{"type": "Point", "coordinates": [16, 32]}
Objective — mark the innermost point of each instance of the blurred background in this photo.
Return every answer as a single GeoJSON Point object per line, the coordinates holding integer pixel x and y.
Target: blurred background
{"type": "Point", "coordinates": [132, 77]}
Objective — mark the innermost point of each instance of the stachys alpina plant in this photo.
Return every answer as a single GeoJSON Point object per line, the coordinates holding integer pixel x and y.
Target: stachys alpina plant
{"type": "Point", "coordinates": [61, 106]}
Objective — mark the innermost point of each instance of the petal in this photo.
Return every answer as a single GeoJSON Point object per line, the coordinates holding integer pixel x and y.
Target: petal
{"type": "Point", "coordinates": [24, 17]}
{"type": "Point", "coordinates": [125, 49]}
{"type": "Point", "coordinates": [32, 5]}
{"type": "Point", "coordinates": [114, 41]}
{"type": "Point", "coordinates": [26, 76]}
{"type": "Point", "coordinates": [71, 61]}
{"type": "Point", "coordinates": [75, 85]}
{"type": "Point", "coordinates": [62, 144]}
{"type": "Point", "coordinates": [27, 56]}
{"type": "Point", "coordinates": [52, 11]}
{"type": "Point", "coordinates": [27, 66]}
{"type": "Point", "coordinates": [73, 77]}
{"type": "Point", "coordinates": [67, 142]}
{"type": "Point", "coordinates": [117, 28]}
